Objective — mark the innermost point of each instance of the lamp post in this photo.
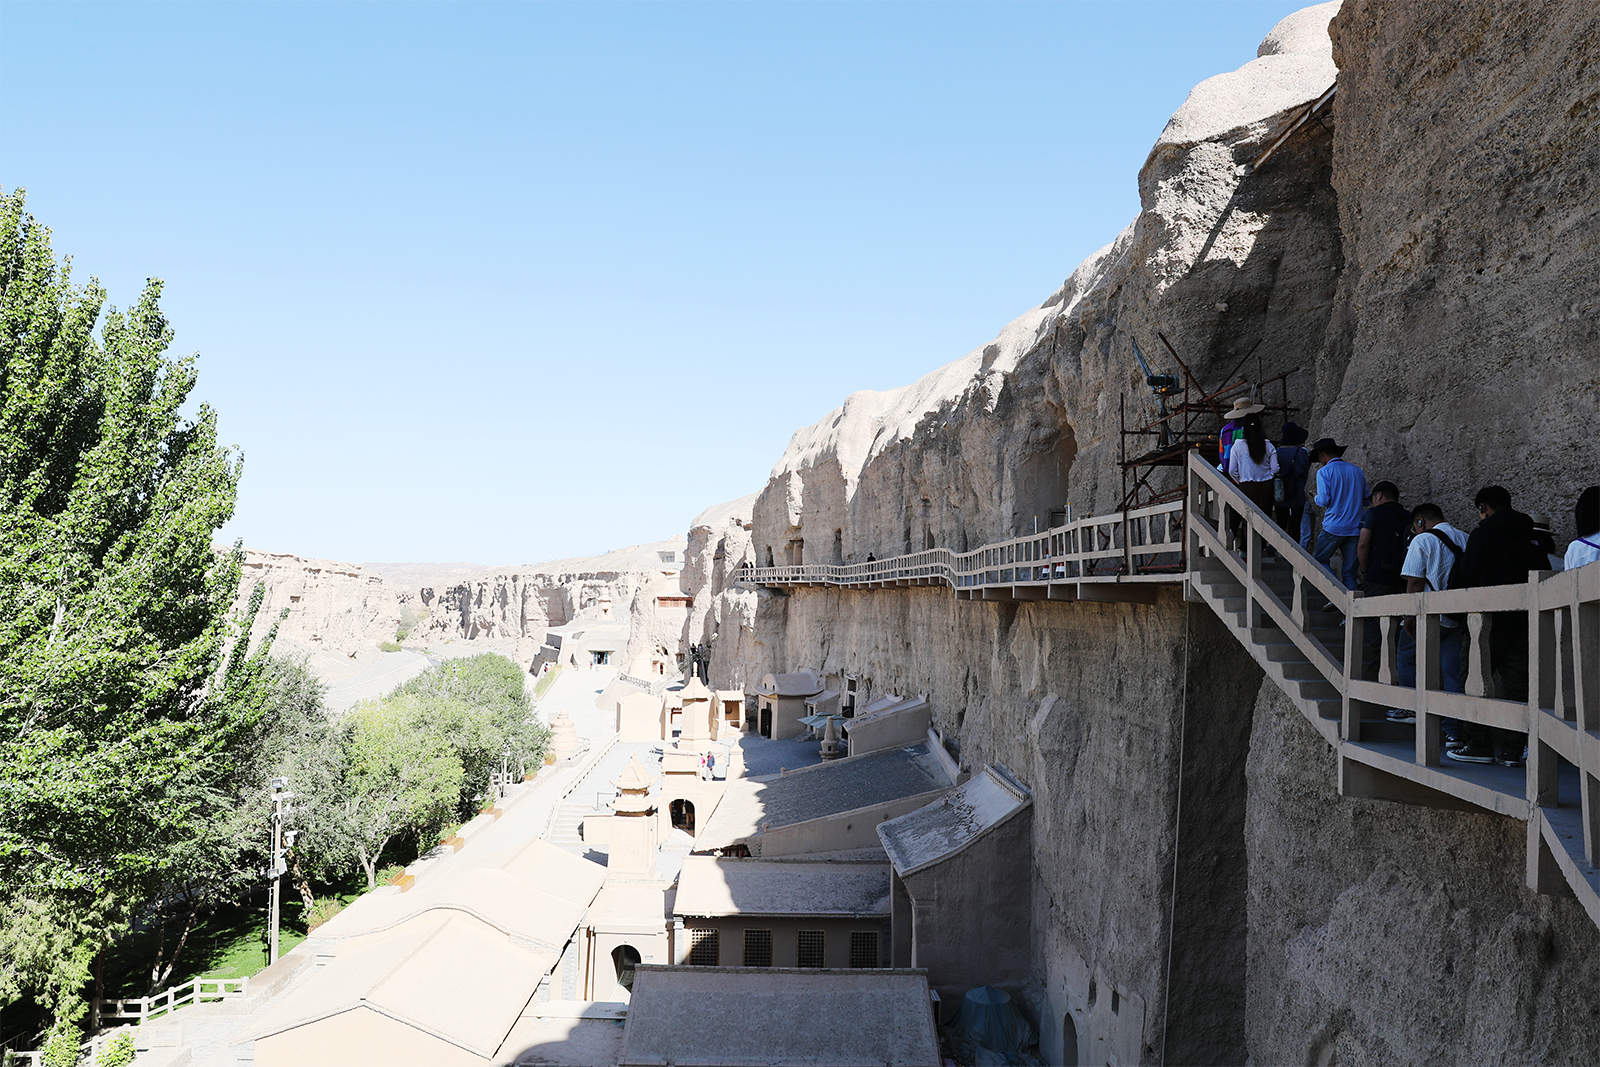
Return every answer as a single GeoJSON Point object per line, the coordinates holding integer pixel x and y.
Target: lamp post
{"type": "Point", "coordinates": [279, 789]}
{"type": "Point", "coordinates": [505, 768]}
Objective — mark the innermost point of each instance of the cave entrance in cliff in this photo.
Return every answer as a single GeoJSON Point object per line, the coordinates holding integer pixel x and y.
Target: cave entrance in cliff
{"type": "Point", "coordinates": [683, 815]}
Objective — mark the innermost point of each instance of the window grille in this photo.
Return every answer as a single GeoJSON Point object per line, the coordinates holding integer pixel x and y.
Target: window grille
{"type": "Point", "coordinates": [704, 950]}
{"type": "Point", "coordinates": [864, 948]}
{"type": "Point", "coordinates": [809, 946]}
{"type": "Point", "coordinates": [758, 948]}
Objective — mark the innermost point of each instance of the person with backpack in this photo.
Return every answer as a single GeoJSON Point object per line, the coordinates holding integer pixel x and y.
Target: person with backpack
{"type": "Point", "coordinates": [1436, 548]}
{"type": "Point", "coordinates": [1380, 550]}
{"type": "Point", "coordinates": [1501, 551]}
{"type": "Point", "coordinates": [1585, 548]}
{"type": "Point", "coordinates": [1233, 428]}
{"type": "Point", "coordinates": [1289, 487]}
{"type": "Point", "coordinates": [1381, 545]}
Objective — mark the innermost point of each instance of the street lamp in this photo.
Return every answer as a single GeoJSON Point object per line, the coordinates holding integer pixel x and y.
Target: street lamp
{"type": "Point", "coordinates": [278, 788]}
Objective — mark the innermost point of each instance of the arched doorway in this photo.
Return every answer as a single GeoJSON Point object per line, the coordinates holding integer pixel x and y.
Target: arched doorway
{"type": "Point", "coordinates": [1069, 1041]}
{"type": "Point", "coordinates": [625, 958]}
{"type": "Point", "coordinates": [683, 815]}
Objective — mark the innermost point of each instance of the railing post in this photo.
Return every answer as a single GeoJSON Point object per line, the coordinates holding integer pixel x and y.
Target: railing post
{"type": "Point", "coordinates": [1543, 768]}
{"type": "Point", "coordinates": [1478, 677]}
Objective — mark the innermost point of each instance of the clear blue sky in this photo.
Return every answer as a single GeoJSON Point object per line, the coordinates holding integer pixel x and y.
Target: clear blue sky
{"type": "Point", "coordinates": [511, 282]}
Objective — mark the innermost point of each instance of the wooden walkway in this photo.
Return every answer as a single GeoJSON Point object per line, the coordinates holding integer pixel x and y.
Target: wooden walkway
{"type": "Point", "coordinates": [1304, 629]}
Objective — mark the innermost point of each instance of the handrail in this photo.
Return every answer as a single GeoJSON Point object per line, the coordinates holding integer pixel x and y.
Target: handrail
{"type": "Point", "coordinates": [1561, 715]}
{"type": "Point", "coordinates": [1217, 532]}
{"type": "Point", "coordinates": [1061, 553]}
{"type": "Point", "coordinates": [120, 1009]}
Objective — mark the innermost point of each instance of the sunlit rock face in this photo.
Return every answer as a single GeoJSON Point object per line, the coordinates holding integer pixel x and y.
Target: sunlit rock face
{"type": "Point", "coordinates": [332, 606]}
{"type": "Point", "coordinates": [1422, 263]}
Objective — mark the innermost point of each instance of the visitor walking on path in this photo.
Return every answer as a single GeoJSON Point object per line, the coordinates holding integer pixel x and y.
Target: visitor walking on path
{"type": "Point", "coordinates": [1289, 492]}
{"type": "Point", "coordinates": [1233, 428]}
{"type": "Point", "coordinates": [1380, 551]}
{"type": "Point", "coordinates": [1381, 546]}
{"type": "Point", "coordinates": [1342, 495]}
{"type": "Point", "coordinates": [1435, 549]}
{"type": "Point", "coordinates": [1253, 463]}
{"type": "Point", "coordinates": [1501, 551]}
{"type": "Point", "coordinates": [1585, 548]}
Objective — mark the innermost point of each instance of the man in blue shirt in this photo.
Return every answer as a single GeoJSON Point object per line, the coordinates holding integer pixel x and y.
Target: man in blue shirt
{"type": "Point", "coordinates": [1342, 496]}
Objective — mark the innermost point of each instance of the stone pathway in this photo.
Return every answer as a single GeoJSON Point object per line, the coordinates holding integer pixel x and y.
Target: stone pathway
{"type": "Point", "coordinates": [202, 1035]}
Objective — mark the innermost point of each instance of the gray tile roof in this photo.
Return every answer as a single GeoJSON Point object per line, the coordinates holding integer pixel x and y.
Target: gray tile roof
{"type": "Point", "coordinates": [744, 1015]}
{"type": "Point", "coordinates": [752, 804]}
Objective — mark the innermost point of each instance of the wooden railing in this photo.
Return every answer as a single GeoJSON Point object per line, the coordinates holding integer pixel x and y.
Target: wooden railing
{"type": "Point", "coordinates": [1557, 793]}
{"type": "Point", "coordinates": [1308, 632]}
{"type": "Point", "coordinates": [143, 1009]}
{"type": "Point", "coordinates": [1144, 544]}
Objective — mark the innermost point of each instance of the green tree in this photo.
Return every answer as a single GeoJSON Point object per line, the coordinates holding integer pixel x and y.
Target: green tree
{"type": "Point", "coordinates": [399, 775]}
{"type": "Point", "coordinates": [119, 723]}
{"type": "Point", "coordinates": [480, 705]}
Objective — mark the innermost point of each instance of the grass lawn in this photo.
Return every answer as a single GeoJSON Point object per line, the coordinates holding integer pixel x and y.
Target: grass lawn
{"type": "Point", "coordinates": [227, 942]}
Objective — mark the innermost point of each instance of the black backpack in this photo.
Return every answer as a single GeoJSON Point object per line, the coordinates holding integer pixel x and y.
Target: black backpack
{"type": "Point", "coordinates": [1453, 582]}
{"type": "Point", "coordinates": [1387, 550]}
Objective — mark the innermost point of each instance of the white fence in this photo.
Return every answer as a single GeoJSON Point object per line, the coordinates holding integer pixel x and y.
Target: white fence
{"type": "Point", "coordinates": [1557, 793]}
{"type": "Point", "coordinates": [142, 1009]}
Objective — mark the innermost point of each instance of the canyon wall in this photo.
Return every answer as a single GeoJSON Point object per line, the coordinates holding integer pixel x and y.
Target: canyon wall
{"type": "Point", "coordinates": [1423, 260]}
{"type": "Point", "coordinates": [333, 607]}
{"type": "Point", "coordinates": [511, 608]}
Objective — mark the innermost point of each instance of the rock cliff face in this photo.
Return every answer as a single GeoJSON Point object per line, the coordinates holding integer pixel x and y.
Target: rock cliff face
{"type": "Point", "coordinates": [333, 607]}
{"type": "Point", "coordinates": [1425, 263]}
{"type": "Point", "coordinates": [517, 605]}
{"type": "Point", "coordinates": [724, 613]}
{"type": "Point", "coordinates": [985, 446]}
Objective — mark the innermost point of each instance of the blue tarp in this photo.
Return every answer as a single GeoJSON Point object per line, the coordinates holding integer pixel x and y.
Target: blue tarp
{"type": "Point", "coordinates": [990, 1020]}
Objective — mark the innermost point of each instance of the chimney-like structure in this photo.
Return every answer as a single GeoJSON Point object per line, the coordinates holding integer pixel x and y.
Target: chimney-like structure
{"type": "Point", "coordinates": [831, 749]}
{"type": "Point", "coordinates": [633, 828]}
{"type": "Point", "coordinates": [694, 727]}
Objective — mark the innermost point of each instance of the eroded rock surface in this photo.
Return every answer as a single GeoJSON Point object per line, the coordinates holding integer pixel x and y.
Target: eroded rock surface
{"type": "Point", "coordinates": [1424, 261]}
{"type": "Point", "coordinates": [333, 607]}
{"type": "Point", "coordinates": [512, 607]}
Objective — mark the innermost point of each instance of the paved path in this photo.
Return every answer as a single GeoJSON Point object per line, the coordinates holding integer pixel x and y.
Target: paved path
{"type": "Point", "coordinates": [208, 1030]}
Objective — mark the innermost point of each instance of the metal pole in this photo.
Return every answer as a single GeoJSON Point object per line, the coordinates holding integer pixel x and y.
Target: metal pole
{"type": "Point", "coordinates": [277, 849]}
{"type": "Point", "coordinates": [279, 788]}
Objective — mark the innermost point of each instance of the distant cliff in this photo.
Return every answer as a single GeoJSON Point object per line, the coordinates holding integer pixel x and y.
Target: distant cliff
{"type": "Point", "coordinates": [519, 603]}
{"type": "Point", "coordinates": [333, 607]}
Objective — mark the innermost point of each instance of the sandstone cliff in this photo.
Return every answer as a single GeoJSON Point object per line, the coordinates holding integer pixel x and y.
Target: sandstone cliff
{"type": "Point", "coordinates": [333, 607]}
{"type": "Point", "coordinates": [512, 607]}
{"type": "Point", "coordinates": [1424, 261]}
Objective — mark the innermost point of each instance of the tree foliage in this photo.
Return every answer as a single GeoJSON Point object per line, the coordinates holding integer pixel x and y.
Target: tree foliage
{"type": "Point", "coordinates": [399, 774]}
{"type": "Point", "coordinates": [121, 711]}
{"type": "Point", "coordinates": [481, 706]}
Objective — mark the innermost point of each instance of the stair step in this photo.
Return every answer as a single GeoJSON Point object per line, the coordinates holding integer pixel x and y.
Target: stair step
{"type": "Point", "coordinates": [1299, 670]}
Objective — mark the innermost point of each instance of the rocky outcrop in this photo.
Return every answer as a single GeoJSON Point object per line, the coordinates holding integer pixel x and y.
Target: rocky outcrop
{"type": "Point", "coordinates": [988, 445]}
{"type": "Point", "coordinates": [333, 607]}
{"type": "Point", "coordinates": [1466, 162]}
{"type": "Point", "coordinates": [1423, 262]}
{"type": "Point", "coordinates": [723, 613]}
{"type": "Point", "coordinates": [513, 607]}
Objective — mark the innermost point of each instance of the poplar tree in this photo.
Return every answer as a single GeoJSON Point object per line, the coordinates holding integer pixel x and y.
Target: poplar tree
{"type": "Point", "coordinates": [120, 719]}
